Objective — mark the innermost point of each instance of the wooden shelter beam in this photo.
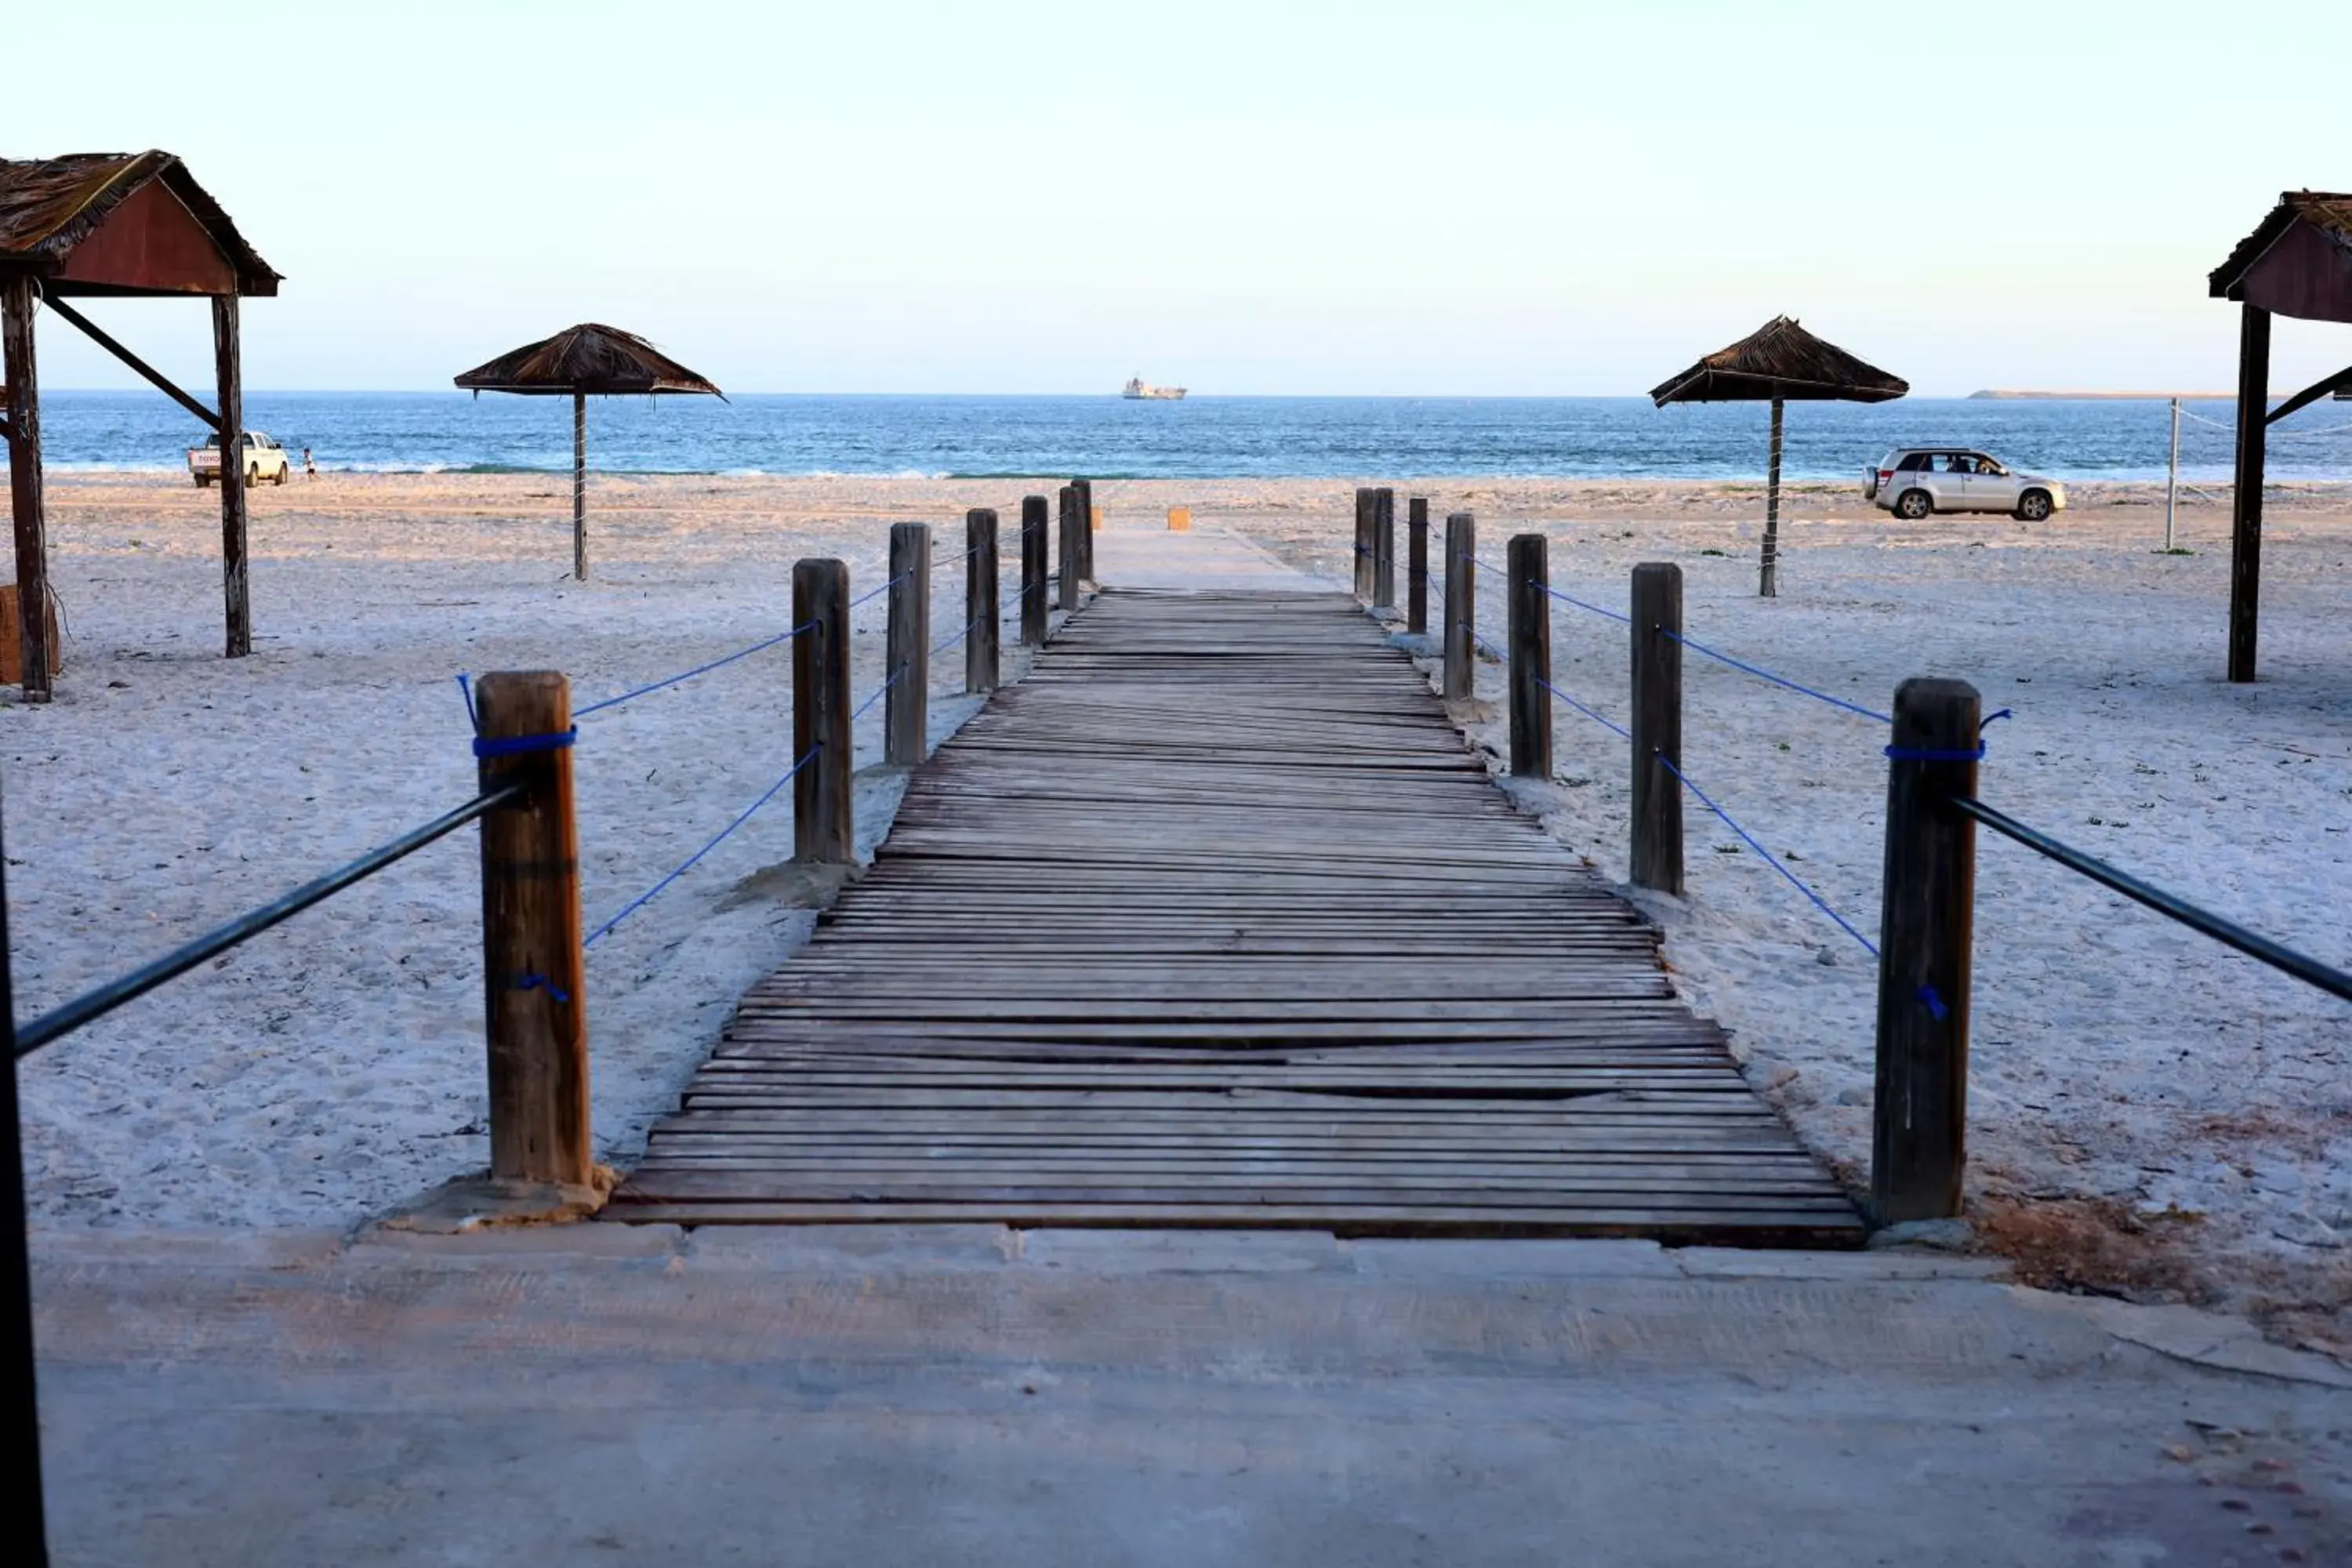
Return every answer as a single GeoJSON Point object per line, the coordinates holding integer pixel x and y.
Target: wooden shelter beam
{"type": "Point", "coordinates": [2246, 490]}
{"type": "Point", "coordinates": [162, 383]}
{"type": "Point", "coordinates": [228, 367]}
{"type": "Point", "coordinates": [17, 297]}
{"type": "Point", "coordinates": [2310, 394]}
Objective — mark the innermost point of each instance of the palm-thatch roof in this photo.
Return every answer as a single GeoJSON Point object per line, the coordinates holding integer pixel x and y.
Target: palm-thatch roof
{"type": "Point", "coordinates": [588, 358]}
{"type": "Point", "coordinates": [49, 206]}
{"type": "Point", "coordinates": [1780, 361]}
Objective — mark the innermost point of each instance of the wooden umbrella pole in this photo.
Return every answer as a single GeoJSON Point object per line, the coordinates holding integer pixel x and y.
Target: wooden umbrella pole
{"type": "Point", "coordinates": [580, 484]}
{"type": "Point", "coordinates": [1769, 586]}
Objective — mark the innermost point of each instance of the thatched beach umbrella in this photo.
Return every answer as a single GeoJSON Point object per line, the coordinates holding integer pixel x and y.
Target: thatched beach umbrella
{"type": "Point", "coordinates": [1779, 362]}
{"type": "Point", "coordinates": [582, 360]}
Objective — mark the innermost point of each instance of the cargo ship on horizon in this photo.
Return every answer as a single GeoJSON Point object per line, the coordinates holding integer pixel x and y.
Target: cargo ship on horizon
{"type": "Point", "coordinates": [1143, 391]}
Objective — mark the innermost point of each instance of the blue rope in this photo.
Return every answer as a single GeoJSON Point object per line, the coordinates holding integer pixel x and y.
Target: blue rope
{"type": "Point", "coordinates": [1780, 680]}
{"type": "Point", "coordinates": [1568, 599]}
{"type": "Point", "coordinates": [942, 647]}
{"type": "Point", "coordinates": [519, 745]}
{"type": "Point", "coordinates": [1488, 564]}
{"type": "Point", "coordinates": [1605, 723]}
{"type": "Point", "coordinates": [878, 692]}
{"type": "Point", "coordinates": [951, 559]}
{"type": "Point", "coordinates": [1819, 902]}
{"type": "Point", "coordinates": [876, 593]}
{"type": "Point", "coordinates": [1482, 642]}
{"type": "Point", "coordinates": [466, 690]}
{"type": "Point", "coordinates": [641, 900]}
{"type": "Point", "coordinates": [689, 674]}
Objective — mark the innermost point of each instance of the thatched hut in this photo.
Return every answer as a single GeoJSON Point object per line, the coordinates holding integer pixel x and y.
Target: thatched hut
{"type": "Point", "coordinates": [118, 225]}
{"type": "Point", "coordinates": [1779, 362]}
{"type": "Point", "coordinates": [585, 359]}
{"type": "Point", "coordinates": [2298, 263]}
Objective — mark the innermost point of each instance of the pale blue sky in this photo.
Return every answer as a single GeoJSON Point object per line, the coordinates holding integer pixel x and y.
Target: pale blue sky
{"type": "Point", "coordinates": [1284, 197]}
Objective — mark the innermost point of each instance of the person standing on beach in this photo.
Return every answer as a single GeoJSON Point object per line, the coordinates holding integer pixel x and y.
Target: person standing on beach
{"type": "Point", "coordinates": [310, 468]}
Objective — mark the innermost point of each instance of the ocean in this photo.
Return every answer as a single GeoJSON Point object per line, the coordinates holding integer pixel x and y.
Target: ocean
{"type": "Point", "coordinates": [1200, 437]}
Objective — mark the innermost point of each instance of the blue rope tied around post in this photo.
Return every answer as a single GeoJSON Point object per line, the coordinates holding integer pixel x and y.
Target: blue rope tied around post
{"type": "Point", "coordinates": [1606, 723]}
{"type": "Point", "coordinates": [520, 745]}
{"type": "Point", "coordinates": [1769, 858]}
{"type": "Point", "coordinates": [1777, 679]}
{"type": "Point", "coordinates": [651, 687]}
{"type": "Point", "coordinates": [535, 982]}
{"type": "Point", "coordinates": [641, 900]}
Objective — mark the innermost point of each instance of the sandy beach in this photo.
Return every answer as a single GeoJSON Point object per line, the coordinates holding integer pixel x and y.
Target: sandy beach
{"type": "Point", "coordinates": [2150, 1112]}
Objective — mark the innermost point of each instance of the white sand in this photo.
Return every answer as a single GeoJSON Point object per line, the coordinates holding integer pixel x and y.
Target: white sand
{"type": "Point", "coordinates": [333, 1067]}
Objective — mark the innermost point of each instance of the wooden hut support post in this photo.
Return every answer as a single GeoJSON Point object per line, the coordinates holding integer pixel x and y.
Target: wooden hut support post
{"type": "Point", "coordinates": [25, 501]}
{"type": "Point", "coordinates": [1530, 641]}
{"type": "Point", "coordinates": [1919, 1133]}
{"type": "Point", "coordinates": [1461, 603]}
{"type": "Point", "coordinates": [1769, 580]}
{"type": "Point", "coordinates": [1656, 857]}
{"type": "Point", "coordinates": [533, 975]}
{"type": "Point", "coordinates": [2246, 490]}
{"type": "Point", "coordinates": [1034, 617]}
{"type": "Point", "coordinates": [227, 366]}
{"type": "Point", "coordinates": [825, 817]}
{"type": "Point", "coordinates": [1416, 577]}
{"type": "Point", "coordinates": [1384, 549]}
{"type": "Point", "coordinates": [980, 642]}
{"type": "Point", "coordinates": [906, 716]}
{"type": "Point", "coordinates": [580, 486]}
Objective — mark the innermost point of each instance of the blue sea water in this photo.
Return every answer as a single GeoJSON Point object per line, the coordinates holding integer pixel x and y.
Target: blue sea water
{"type": "Point", "coordinates": [1200, 437]}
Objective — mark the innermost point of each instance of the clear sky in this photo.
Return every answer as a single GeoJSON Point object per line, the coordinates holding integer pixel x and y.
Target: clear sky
{"type": "Point", "coordinates": [1277, 197]}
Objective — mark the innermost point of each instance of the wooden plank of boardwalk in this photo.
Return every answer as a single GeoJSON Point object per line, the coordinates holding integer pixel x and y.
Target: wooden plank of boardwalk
{"type": "Point", "coordinates": [1215, 920]}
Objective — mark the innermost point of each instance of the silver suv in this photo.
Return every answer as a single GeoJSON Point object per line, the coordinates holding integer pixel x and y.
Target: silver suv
{"type": "Point", "coordinates": [1916, 481]}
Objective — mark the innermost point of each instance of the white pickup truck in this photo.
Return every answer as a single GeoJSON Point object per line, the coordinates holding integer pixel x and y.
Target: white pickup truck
{"type": "Point", "coordinates": [265, 459]}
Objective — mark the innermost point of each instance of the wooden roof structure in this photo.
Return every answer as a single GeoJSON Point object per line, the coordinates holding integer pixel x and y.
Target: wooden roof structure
{"type": "Point", "coordinates": [585, 361]}
{"type": "Point", "coordinates": [2297, 262]}
{"type": "Point", "coordinates": [1780, 361]}
{"type": "Point", "coordinates": [125, 225]}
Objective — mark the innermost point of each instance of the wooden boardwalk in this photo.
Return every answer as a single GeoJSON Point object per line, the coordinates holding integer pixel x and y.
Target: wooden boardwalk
{"type": "Point", "coordinates": [1215, 920]}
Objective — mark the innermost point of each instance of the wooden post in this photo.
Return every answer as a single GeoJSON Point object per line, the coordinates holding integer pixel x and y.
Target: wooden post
{"type": "Point", "coordinates": [1919, 1136]}
{"type": "Point", "coordinates": [1384, 549]}
{"type": "Point", "coordinates": [1530, 646]}
{"type": "Point", "coordinates": [1416, 579]}
{"type": "Point", "coordinates": [1034, 619]}
{"type": "Point", "coordinates": [24, 1530]}
{"type": "Point", "coordinates": [534, 976]}
{"type": "Point", "coordinates": [228, 367]}
{"type": "Point", "coordinates": [980, 599]}
{"type": "Point", "coordinates": [1074, 530]}
{"type": "Point", "coordinates": [27, 502]}
{"type": "Point", "coordinates": [824, 816]}
{"type": "Point", "coordinates": [1363, 578]}
{"type": "Point", "coordinates": [1461, 605]}
{"type": "Point", "coordinates": [906, 712]}
{"type": "Point", "coordinates": [1769, 586]}
{"type": "Point", "coordinates": [1086, 505]}
{"type": "Point", "coordinates": [1656, 857]}
{"type": "Point", "coordinates": [2246, 489]}
{"type": "Point", "coordinates": [580, 486]}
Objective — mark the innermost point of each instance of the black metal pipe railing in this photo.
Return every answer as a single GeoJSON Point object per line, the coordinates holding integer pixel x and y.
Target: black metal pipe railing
{"type": "Point", "coordinates": [94, 1005]}
{"type": "Point", "coordinates": [2279, 956]}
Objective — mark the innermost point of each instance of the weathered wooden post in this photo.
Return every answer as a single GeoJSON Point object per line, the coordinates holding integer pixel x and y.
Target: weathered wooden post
{"type": "Point", "coordinates": [1088, 523]}
{"type": "Point", "coordinates": [1416, 593]}
{"type": "Point", "coordinates": [980, 599]}
{"type": "Point", "coordinates": [1656, 857]}
{"type": "Point", "coordinates": [1384, 549]}
{"type": "Point", "coordinates": [1363, 578]}
{"type": "Point", "coordinates": [1769, 580]}
{"type": "Point", "coordinates": [1925, 936]}
{"type": "Point", "coordinates": [1074, 533]}
{"type": "Point", "coordinates": [226, 365]}
{"type": "Point", "coordinates": [1461, 603]}
{"type": "Point", "coordinates": [2246, 489]}
{"type": "Point", "coordinates": [26, 1531]}
{"type": "Point", "coordinates": [533, 975]}
{"type": "Point", "coordinates": [580, 486]}
{"type": "Point", "coordinates": [18, 303]}
{"type": "Point", "coordinates": [906, 712]}
{"type": "Point", "coordinates": [1034, 618]}
{"type": "Point", "coordinates": [1529, 640]}
{"type": "Point", "coordinates": [825, 817]}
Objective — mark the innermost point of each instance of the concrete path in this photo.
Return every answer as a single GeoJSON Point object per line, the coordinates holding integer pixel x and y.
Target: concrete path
{"type": "Point", "coordinates": [973, 1395]}
{"type": "Point", "coordinates": [1206, 557]}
